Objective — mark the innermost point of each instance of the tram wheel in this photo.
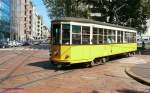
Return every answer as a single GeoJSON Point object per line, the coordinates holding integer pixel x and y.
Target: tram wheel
{"type": "Point", "coordinates": [87, 65]}
{"type": "Point", "coordinates": [104, 60]}
{"type": "Point", "coordinates": [133, 53]}
{"type": "Point", "coordinates": [92, 63]}
{"type": "Point", "coordinates": [128, 54]}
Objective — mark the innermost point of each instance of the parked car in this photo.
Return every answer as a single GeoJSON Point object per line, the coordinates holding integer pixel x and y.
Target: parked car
{"type": "Point", "coordinates": [36, 43]}
{"type": "Point", "coordinates": [4, 45]}
{"type": "Point", "coordinates": [18, 43]}
{"type": "Point", "coordinates": [12, 44]}
{"type": "Point", "coordinates": [26, 44]}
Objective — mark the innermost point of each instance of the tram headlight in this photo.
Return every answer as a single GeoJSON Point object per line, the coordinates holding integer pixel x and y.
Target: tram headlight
{"type": "Point", "coordinates": [56, 52]}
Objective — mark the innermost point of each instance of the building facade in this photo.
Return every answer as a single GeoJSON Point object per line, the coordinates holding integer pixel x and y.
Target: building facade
{"type": "Point", "coordinates": [21, 20]}
{"type": "Point", "coordinates": [39, 27]}
{"type": "Point", "coordinates": [34, 24]}
{"type": "Point", "coordinates": [45, 33]}
{"type": "Point", "coordinates": [26, 25]}
{"type": "Point", "coordinates": [5, 20]}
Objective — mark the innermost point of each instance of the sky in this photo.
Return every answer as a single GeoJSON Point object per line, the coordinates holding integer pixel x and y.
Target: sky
{"type": "Point", "coordinates": [42, 11]}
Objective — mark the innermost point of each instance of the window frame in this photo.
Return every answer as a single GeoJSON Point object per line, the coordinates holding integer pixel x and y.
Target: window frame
{"type": "Point", "coordinates": [95, 34]}
{"type": "Point", "coordinates": [61, 40]}
{"type": "Point", "coordinates": [87, 34]}
{"type": "Point", "coordinates": [91, 34]}
{"type": "Point", "coordinates": [76, 34]}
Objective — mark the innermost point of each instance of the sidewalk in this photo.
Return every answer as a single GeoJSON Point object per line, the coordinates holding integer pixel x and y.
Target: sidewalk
{"type": "Point", "coordinates": [140, 72]}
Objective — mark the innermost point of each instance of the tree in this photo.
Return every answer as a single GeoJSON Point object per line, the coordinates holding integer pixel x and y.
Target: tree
{"type": "Point", "coordinates": [65, 8]}
{"type": "Point", "coordinates": [131, 13]}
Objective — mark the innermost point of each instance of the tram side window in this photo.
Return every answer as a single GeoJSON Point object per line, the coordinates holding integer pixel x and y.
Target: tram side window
{"type": "Point", "coordinates": [119, 36]}
{"type": "Point", "coordinates": [127, 37]}
{"type": "Point", "coordinates": [76, 34]}
{"type": "Point", "coordinates": [105, 35]}
{"type": "Point", "coordinates": [134, 37]}
{"type": "Point", "coordinates": [111, 36]}
{"type": "Point", "coordinates": [85, 35]}
{"type": "Point", "coordinates": [56, 33]}
{"type": "Point", "coordinates": [95, 36]}
{"type": "Point", "coordinates": [100, 36]}
{"type": "Point", "coordinates": [65, 34]}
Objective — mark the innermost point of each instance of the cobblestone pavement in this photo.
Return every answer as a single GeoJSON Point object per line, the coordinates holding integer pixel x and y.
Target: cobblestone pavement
{"type": "Point", "coordinates": [26, 71]}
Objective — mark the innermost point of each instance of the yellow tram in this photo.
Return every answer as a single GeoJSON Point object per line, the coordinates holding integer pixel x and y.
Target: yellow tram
{"type": "Point", "coordinates": [77, 40]}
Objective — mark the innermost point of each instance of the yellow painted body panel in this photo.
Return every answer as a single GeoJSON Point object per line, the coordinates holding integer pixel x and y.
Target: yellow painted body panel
{"type": "Point", "coordinates": [85, 53]}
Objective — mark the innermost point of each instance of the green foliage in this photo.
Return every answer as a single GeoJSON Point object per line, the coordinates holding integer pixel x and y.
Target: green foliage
{"type": "Point", "coordinates": [131, 13]}
{"type": "Point", "coordinates": [66, 8]}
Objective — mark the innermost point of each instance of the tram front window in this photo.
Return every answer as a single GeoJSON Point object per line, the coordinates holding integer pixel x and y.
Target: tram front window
{"type": "Point", "coordinates": [66, 34]}
{"type": "Point", "coordinates": [56, 33]}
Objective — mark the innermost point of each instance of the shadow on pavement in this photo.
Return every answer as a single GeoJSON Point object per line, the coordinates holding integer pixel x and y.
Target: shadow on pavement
{"type": "Point", "coordinates": [47, 65]}
{"type": "Point", "coordinates": [131, 91]}
{"type": "Point", "coordinates": [44, 64]}
{"type": "Point", "coordinates": [94, 91]}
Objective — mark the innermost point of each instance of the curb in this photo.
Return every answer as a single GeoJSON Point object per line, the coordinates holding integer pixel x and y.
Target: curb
{"type": "Point", "coordinates": [140, 79]}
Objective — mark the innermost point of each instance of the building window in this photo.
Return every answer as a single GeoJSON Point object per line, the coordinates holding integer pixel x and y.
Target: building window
{"type": "Point", "coordinates": [85, 35]}
{"type": "Point", "coordinates": [25, 32]}
{"type": "Point", "coordinates": [25, 12]}
{"type": "Point", "coordinates": [76, 34]}
{"type": "Point", "coordinates": [25, 7]}
{"type": "Point", "coordinates": [25, 19]}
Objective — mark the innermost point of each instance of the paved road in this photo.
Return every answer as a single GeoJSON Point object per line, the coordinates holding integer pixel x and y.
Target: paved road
{"type": "Point", "coordinates": [142, 70]}
{"type": "Point", "coordinates": [26, 71]}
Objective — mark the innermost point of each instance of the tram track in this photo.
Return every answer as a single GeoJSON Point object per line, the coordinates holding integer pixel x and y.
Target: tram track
{"type": "Point", "coordinates": [15, 49]}
{"type": "Point", "coordinates": [27, 54]}
{"type": "Point", "coordinates": [10, 74]}
{"type": "Point", "coordinates": [14, 69]}
{"type": "Point", "coordinates": [39, 79]}
{"type": "Point", "coordinates": [3, 54]}
{"type": "Point", "coordinates": [6, 61]}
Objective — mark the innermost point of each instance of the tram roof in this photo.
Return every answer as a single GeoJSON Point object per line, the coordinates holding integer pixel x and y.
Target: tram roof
{"type": "Point", "coordinates": [72, 19]}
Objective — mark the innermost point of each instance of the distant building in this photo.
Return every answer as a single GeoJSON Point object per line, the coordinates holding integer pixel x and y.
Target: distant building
{"type": "Point", "coordinates": [146, 35]}
{"type": "Point", "coordinates": [5, 20]}
{"type": "Point", "coordinates": [34, 23]}
{"type": "Point", "coordinates": [39, 27]}
{"type": "Point", "coordinates": [45, 33]}
{"type": "Point", "coordinates": [21, 20]}
{"type": "Point", "coordinates": [26, 24]}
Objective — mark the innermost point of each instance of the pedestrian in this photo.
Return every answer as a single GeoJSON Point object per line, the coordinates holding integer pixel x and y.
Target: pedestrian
{"type": "Point", "coordinates": [143, 45]}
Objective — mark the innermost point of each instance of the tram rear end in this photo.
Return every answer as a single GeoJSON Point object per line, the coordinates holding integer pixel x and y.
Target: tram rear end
{"type": "Point", "coordinates": [60, 54]}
